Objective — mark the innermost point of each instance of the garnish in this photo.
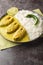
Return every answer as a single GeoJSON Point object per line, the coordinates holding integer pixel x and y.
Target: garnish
{"type": "Point", "coordinates": [34, 17]}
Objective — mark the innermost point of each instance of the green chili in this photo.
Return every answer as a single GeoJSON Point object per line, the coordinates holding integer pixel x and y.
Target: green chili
{"type": "Point", "coordinates": [34, 17]}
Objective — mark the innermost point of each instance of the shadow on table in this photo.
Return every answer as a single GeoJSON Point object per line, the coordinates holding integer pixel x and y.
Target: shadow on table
{"type": "Point", "coordinates": [34, 43]}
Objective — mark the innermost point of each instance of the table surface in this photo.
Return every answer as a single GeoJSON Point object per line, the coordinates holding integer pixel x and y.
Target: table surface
{"type": "Point", "coordinates": [25, 54]}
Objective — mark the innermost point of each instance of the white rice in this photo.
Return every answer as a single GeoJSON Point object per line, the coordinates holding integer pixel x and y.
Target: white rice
{"type": "Point", "coordinates": [34, 31]}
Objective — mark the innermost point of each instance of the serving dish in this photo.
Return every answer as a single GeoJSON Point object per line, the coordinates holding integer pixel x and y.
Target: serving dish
{"type": "Point", "coordinates": [27, 36]}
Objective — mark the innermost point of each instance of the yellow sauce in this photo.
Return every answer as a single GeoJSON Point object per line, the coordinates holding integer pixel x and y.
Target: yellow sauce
{"type": "Point", "coordinates": [3, 31]}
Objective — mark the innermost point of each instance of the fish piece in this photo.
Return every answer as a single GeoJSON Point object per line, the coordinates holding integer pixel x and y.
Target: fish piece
{"type": "Point", "coordinates": [19, 34]}
{"type": "Point", "coordinates": [12, 27]}
{"type": "Point", "coordinates": [6, 21]}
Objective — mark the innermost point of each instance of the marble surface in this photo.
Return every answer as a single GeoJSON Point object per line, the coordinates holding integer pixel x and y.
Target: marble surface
{"type": "Point", "coordinates": [25, 54]}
